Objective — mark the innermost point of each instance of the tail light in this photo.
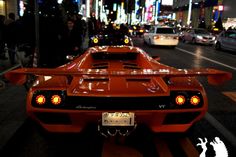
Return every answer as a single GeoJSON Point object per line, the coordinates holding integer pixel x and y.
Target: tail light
{"type": "Point", "coordinates": [186, 99]}
{"type": "Point", "coordinates": [40, 99]}
{"type": "Point", "coordinates": [141, 30]}
{"type": "Point", "coordinates": [156, 37]}
{"type": "Point", "coordinates": [56, 100]}
{"type": "Point", "coordinates": [48, 98]}
{"type": "Point", "coordinates": [180, 100]}
{"type": "Point", "coordinates": [176, 37]}
{"type": "Point", "coordinates": [195, 100]}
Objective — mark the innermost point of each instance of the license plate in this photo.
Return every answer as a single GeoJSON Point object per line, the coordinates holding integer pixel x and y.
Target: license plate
{"type": "Point", "coordinates": [117, 119]}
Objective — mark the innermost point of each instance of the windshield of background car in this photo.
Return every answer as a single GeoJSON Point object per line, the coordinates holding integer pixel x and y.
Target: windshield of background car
{"type": "Point", "coordinates": [115, 56]}
{"type": "Point", "coordinates": [165, 31]}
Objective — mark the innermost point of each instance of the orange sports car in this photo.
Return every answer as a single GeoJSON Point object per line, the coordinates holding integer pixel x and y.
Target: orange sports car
{"type": "Point", "coordinates": [118, 88]}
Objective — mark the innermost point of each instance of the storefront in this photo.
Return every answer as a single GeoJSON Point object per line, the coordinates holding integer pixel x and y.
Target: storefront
{"type": "Point", "coordinates": [228, 14]}
{"type": "Point", "coordinates": [9, 6]}
{"type": "Point", "coordinates": [2, 7]}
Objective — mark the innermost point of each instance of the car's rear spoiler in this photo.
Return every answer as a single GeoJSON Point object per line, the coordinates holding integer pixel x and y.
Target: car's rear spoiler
{"type": "Point", "coordinates": [215, 77]}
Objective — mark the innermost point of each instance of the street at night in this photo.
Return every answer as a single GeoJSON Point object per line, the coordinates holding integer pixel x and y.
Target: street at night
{"type": "Point", "coordinates": [117, 78]}
{"type": "Point", "coordinates": [29, 139]}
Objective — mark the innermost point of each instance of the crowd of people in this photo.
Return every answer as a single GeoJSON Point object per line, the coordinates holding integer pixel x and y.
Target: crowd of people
{"type": "Point", "coordinates": [58, 37]}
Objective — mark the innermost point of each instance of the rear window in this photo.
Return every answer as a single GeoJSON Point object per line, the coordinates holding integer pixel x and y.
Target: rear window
{"type": "Point", "coordinates": [115, 56]}
{"type": "Point", "coordinates": [165, 31]}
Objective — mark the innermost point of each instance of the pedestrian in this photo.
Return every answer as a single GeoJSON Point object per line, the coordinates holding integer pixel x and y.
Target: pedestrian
{"type": "Point", "coordinates": [71, 40]}
{"type": "Point", "coordinates": [81, 27]}
{"type": "Point", "coordinates": [2, 37]}
{"type": "Point", "coordinates": [11, 37]}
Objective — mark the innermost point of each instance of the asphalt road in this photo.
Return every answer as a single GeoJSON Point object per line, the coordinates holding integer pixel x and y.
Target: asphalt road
{"type": "Point", "coordinates": [30, 141]}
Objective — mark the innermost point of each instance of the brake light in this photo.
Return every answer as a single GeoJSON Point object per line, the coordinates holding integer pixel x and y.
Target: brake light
{"type": "Point", "coordinates": [156, 37]}
{"type": "Point", "coordinates": [176, 37]}
{"type": "Point", "coordinates": [40, 99]}
{"type": "Point", "coordinates": [194, 100]}
{"type": "Point", "coordinates": [141, 30]}
{"type": "Point", "coordinates": [56, 99]}
{"type": "Point", "coordinates": [180, 100]}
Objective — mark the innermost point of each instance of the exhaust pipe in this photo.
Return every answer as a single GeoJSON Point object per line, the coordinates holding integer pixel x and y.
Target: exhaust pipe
{"type": "Point", "coordinates": [112, 131]}
{"type": "Point", "coordinates": [124, 132]}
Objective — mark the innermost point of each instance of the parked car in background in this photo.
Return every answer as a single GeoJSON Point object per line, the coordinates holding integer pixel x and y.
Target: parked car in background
{"type": "Point", "coordinates": [199, 35]}
{"type": "Point", "coordinates": [226, 40]}
{"type": "Point", "coordinates": [161, 35]}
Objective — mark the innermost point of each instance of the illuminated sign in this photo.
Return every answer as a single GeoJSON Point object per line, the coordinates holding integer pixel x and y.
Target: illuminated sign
{"type": "Point", "coordinates": [167, 2]}
{"type": "Point", "coordinates": [220, 7]}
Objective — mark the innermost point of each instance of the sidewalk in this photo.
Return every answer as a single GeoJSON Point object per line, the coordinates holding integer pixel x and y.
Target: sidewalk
{"type": "Point", "coordinates": [5, 64]}
{"type": "Point", "coordinates": [12, 104]}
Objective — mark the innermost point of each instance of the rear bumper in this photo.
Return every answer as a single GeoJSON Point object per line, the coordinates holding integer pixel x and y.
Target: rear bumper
{"type": "Point", "coordinates": [205, 41]}
{"type": "Point", "coordinates": [75, 121]}
{"type": "Point", "coordinates": [166, 42]}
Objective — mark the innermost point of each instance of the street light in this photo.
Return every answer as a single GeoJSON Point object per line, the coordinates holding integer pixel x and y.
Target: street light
{"type": "Point", "coordinates": [189, 12]}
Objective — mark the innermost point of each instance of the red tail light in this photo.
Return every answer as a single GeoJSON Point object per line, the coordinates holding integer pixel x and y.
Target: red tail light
{"type": "Point", "coordinates": [55, 99]}
{"type": "Point", "coordinates": [156, 37]}
{"type": "Point", "coordinates": [40, 99]}
{"type": "Point", "coordinates": [194, 100]}
{"type": "Point", "coordinates": [176, 37]}
{"type": "Point", "coordinates": [180, 100]}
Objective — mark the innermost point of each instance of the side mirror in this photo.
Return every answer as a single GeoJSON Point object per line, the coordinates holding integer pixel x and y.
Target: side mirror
{"type": "Point", "coordinates": [70, 57]}
{"type": "Point", "coordinates": [157, 58]}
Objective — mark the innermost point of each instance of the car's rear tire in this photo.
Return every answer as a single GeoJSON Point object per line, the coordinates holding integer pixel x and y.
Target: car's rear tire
{"type": "Point", "coordinates": [218, 46]}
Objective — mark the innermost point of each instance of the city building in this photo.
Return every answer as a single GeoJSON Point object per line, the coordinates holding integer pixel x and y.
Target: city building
{"type": "Point", "coordinates": [8, 6]}
{"type": "Point", "coordinates": [204, 11]}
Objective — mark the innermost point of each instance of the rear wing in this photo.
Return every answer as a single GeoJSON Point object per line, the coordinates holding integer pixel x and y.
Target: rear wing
{"type": "Point", "coordinates": [215, 77]}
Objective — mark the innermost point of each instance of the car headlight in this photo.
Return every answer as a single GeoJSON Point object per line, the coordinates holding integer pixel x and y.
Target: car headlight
{"type": "Point", "coordinates": [126, 41]}
{"type": "Point", "coordinates": [199, 37]}
{"type": "Point", "coordinates": [213, 38]}
{"type": "Point", "coordinates": [95, 40]}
